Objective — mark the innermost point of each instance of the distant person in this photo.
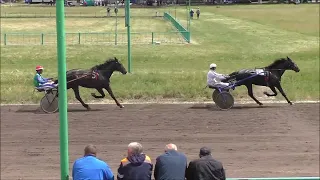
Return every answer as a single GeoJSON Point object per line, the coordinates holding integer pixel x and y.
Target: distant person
{"type": "Point", "coordinates": [136, 166]}
{"type": "Point", "coordinates": [205, 168]}
{"type": "Point", "coordinates": [41, 82]}
{"type": "Point", "coordinates": [90, 167]}
{"type": "Point", "coordinates": [198, 13]}
{"type": "Point", "coordinates": [171, 165]}
{"type": "Point", "coordinates": [108, 11]}
{"type": "Point", "coordinates": [191, 13]}
{"type": "Point", "coordinates": [116, 10]}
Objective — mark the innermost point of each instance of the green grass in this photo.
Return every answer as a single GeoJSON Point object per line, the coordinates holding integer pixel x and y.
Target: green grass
{"type": "Point", "coordinates": [233, 37]}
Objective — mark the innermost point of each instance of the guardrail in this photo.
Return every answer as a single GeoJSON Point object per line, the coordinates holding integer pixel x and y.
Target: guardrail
{"type": "Point", "coordinates": [95, 38]}
{"type": "Point", "coordinates": [184, 32]}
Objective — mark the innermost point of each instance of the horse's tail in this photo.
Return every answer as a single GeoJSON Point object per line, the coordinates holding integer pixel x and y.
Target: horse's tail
{"type": "Point", "coordinates": [234, 75]}
{"type": "Point", "coordinates": [69, 75]}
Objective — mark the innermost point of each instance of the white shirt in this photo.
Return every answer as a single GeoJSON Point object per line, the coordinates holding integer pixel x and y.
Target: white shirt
{"type": "Point", "coordinates": [213, 77]}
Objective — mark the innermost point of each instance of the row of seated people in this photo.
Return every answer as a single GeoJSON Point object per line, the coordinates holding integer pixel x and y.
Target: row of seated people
{"type": "Point", "coordinates": [171, 165]}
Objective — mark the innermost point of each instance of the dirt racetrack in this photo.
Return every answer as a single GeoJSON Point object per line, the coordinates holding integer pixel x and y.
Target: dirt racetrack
{"type": "Point", "coordinates": [273, 141]}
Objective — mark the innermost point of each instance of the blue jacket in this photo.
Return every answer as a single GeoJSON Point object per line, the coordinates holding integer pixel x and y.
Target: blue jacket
{"type": "Point", "coordinates": [137, 167]}
{"type": "Point", "coordinates": [91, 168]}
{"type": "Point", "coordinates": [171, 165]}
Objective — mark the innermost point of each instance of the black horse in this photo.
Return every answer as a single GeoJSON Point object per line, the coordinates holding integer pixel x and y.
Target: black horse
{"type": "Point", "coordinates": [270, 77]}
{"type": "Point", "coordinates": [98, 77]}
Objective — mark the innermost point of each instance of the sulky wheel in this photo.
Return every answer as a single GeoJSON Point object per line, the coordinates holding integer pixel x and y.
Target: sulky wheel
{"type": "Point", "coordinates": [50, 102]}
{"type": "Point", "coordinates": [224, 100]}
{"type": "Point", "coordinates": [214, 95]}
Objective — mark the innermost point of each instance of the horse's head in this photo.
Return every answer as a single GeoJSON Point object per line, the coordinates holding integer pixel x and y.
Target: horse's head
{"type": "Point", "coordinates": [283, 64]}
{"type": "Point", "coordinates": [119, 67]}
{"type": "Point", "coordinates": [292, 65]}
{"type": "Point", "coordinates": [110, 66]}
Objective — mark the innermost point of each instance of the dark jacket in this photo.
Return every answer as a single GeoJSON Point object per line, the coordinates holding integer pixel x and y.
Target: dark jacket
{"type": "Point", "coordinates": [137, 167]}
{"type": "Point", "coordinates": [171, 165]}
{"type": "Point", "coordinates": [205, 168]}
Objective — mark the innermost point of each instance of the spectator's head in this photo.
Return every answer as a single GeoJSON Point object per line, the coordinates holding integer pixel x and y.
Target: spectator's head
{"type": "Point", "coordinates": [204, 151]}
{"type": "Point", "coordinates": [90, 150]}
{"type": "Point", "coordinates": [170, 147]}
{"type": "Point", "coordinates": [134, 148]}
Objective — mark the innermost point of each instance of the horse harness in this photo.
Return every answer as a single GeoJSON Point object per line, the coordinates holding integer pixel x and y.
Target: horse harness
{"type": "Point", "coordinates": [94, 75]}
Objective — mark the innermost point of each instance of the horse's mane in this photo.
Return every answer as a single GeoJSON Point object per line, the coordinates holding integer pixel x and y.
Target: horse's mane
{"type": "Point", "coordinates": [276, 63]}
{"type": "Point", "coordinates": [105, 64]}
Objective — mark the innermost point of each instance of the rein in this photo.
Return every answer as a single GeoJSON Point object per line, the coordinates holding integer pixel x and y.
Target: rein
{"type": "Point", "coordinates": [273, 69]}
{"type": "Point", "coordinates": [79, 78]}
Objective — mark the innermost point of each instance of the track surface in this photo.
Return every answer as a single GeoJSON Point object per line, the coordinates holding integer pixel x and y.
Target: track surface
{"type": "Point", "coordinates": [276, 140]}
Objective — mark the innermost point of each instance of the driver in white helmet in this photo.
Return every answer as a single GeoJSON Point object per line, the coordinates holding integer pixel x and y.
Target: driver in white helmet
{"type": "Point", "coordinates": [215, 79]}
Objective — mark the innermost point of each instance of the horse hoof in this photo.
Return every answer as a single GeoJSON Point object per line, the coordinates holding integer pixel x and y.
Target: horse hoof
{"type": "Point", "coordinates": [290, 103]}
{"type": "Point", "coordinates": [93, 94]}
{"type": "Point", "coordinates": [121, 106]}
{"type": "Point", "coordinates": [265, 93]}
{"type": "Point", "coordinates": [260, 104]}
{"type": "Point", "coordinates": [87, 107]}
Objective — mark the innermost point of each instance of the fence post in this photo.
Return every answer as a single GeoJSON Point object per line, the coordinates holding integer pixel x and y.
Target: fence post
{"type": "Point", "coordinates": [152, 35]}
{"type": "Point", "coordinates": [79, 38]}
{"type": "Point", "coordinates": [5, 39]}
{"type": "Point", "coordinates": [42, 39]}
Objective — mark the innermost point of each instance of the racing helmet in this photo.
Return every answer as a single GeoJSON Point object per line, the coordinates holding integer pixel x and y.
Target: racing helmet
{"type": "Point", "coordinates": [39, 68]}
{"type": "Point", "coordinates": [213, 66]}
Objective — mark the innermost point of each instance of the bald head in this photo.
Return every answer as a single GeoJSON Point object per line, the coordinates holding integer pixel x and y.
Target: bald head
{"type": "Point", "coordinates": [171, 147]}
{"type": "Point", "coordinates": [90, 150]}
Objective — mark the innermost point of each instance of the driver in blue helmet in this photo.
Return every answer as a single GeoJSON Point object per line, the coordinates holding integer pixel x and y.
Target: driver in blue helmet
{"type": "Point", "coordinates": [215, 79]}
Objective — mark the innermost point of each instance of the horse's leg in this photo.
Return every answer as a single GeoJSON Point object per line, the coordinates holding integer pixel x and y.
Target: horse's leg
{"type": "Point", "coordinates": [250, 93]}
{"type": "Point", "coordinates": [108, 88]}
{"type": "Point", "coordinates": [273, 90]}
{"type": "Point", "coordinates": [100, 90]}
{"type": "Point", "coordinates": [77, 94]}
{"type": "Point", "coordinates": [278, 86]}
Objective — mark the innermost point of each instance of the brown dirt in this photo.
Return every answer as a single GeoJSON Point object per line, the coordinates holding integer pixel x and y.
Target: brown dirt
{"type": "Point", "coordinates": [274, 141]}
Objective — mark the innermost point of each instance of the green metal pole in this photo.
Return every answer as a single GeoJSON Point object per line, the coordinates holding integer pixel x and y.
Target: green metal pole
{"type": "Point", "coordinates": [116, 35]}
{"type": "Point", "coordinates": [63, 104]}
{"type": "Point", "coordinates": [175, 12]}
{"type": "Point", "coordinates": [128, 33]}
{"type": "Point", "coordinates": [152, 38]}
{"type": "Point", "coordinates": [189, 22]}
{"type": "Point", "coordinates": [42, 39]}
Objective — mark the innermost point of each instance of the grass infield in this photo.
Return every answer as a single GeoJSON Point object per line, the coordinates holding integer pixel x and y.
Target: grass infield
{"type": "Point", "coordinates": [233, 37]}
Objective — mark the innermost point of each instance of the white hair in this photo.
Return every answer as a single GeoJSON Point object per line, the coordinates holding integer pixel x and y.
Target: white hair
{"type": "Point", "coordinates": [171, 147]}
{"type": "Point", "coordinates": [135, 147]}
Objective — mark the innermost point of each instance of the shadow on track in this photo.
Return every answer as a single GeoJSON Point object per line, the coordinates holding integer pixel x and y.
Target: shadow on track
{"type": "Point", "coordinates": [213, 107]}
{"type": "Point", "coordinates": [39, 110]}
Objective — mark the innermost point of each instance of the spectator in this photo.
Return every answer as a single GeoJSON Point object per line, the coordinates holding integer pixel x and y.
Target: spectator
{"type": "Point", "coordinates": [205, 168]}
{"type": "Point", "coordinates": [108, 12]}
{"type": "Point", "coordinates": [90, 167]}
{"type": "Point", "coordinates": [191, 13]}
{"type": "Point", "coordinates": [171, 165]}
{"type": "Point", "coordinates": [116, 10]}
{"type": "Point", "coordinates": [198, 13]}
{"type": "Point", "coordinates": [136, 166]}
